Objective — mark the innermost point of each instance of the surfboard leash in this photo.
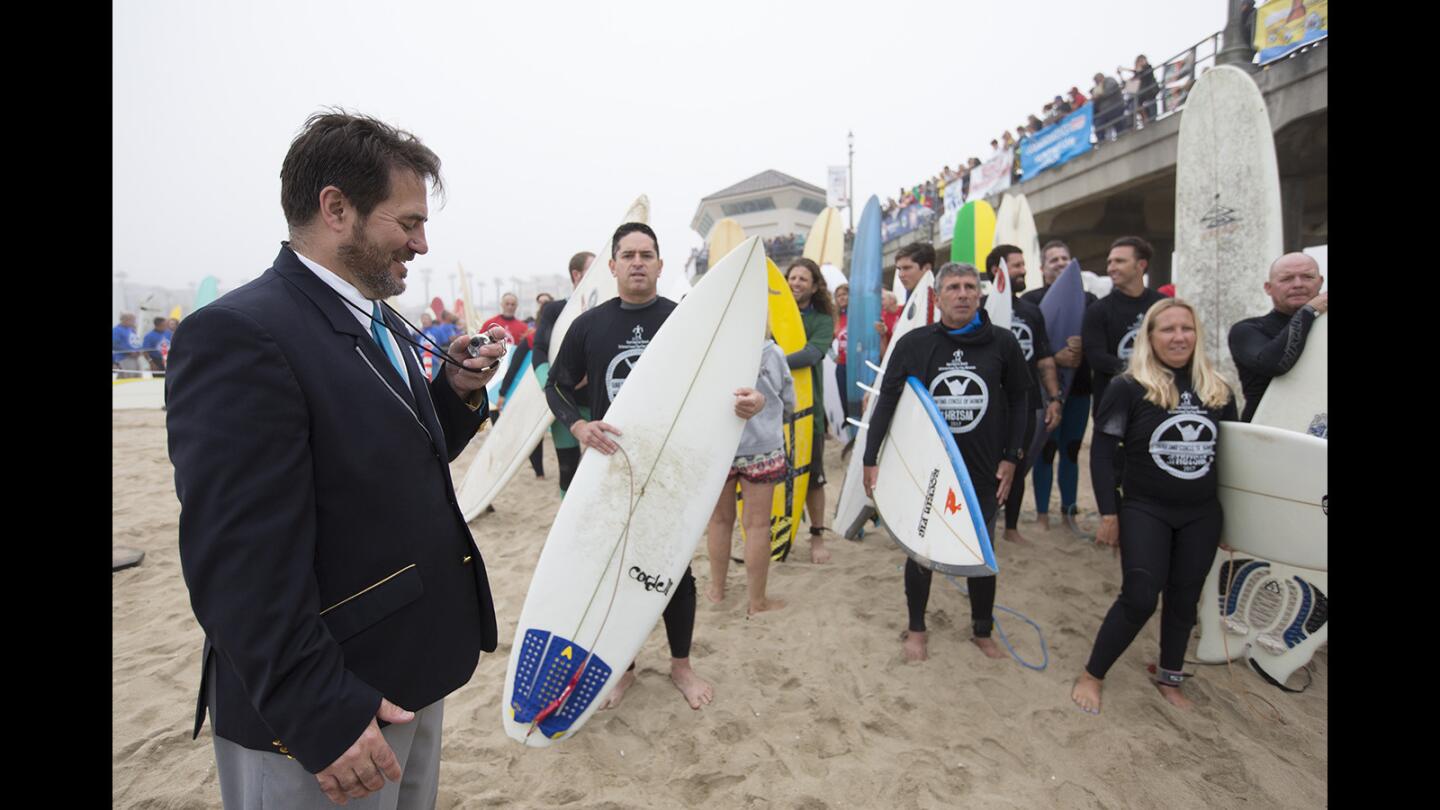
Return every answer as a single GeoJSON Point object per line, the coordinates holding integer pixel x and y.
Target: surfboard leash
{"type": "Point", "coordinates": [1044, 649]}
{"type": "Point", "coordinates": [559, 702]}
{"type": "Point", "coordinates": [1248, 696]}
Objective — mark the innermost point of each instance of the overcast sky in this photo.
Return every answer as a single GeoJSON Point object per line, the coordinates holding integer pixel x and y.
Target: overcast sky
{"type": "Point", "coordinates": [549, 118]}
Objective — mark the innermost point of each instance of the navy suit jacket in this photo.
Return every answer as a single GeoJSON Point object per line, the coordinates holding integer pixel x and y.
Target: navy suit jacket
{"type": "Point", "coordinates": [326, 558]}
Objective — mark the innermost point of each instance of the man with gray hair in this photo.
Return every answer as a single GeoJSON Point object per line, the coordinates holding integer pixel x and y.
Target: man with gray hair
{"type": "Point", "coordinates": [1268, 346]}
{"type": "Point", "coordinates": [978, 376]}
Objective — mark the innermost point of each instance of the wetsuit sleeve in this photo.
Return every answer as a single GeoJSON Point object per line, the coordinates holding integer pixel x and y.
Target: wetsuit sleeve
{"type": "Point", "coordinates": [566, 372]}
{"type": "Point", "coordinates": [891, 386]}
{"type": "Point", "coordinates": [1113, 416]}
{"type": "Point", "coordinates": [1103, 447]}
{"type": "Point", "coordinates": [1092, 334]}
{"type": "Point", "coordinates": [816, 343]}
{"type": "Point", "coordinates": [544, 326]}
{"type": "Point", "coordinates": [1271, 356]}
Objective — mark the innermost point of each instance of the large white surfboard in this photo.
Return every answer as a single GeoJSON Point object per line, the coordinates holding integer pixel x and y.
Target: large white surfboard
{"type": "Point", "coordinates": [1227, 205]}
{"type": "Point", "coordinates": [1274, 488]}
{"type": "Point", "coordinates": [630, 522]}
{"type": "Point", "coordinates": [924, 492]}
{"type": "Point", "coordinates": [1297, 400]}
{"type": "Point", "coordinates": [1273, 614]}
{"type": "Point", "coordinates": [998, 303]}
{"type": "Point", "coordinates": [851, 510]}
{"type": "Point", "coordinates": [1015, 225]}
{"type": "Point", "coordinates": [527, 414]}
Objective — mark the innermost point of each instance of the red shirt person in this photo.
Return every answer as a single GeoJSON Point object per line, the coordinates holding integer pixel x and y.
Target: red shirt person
{"type": "Point", "coordinates": [513, 326]}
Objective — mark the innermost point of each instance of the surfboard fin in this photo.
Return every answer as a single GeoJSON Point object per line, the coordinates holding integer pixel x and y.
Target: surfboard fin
{"type": "Point", "coordinates": [867, 389]}
{"type": "Point", "coordinates": [874, 367]}
{"type": "Point", "coordinates": [857, 423]}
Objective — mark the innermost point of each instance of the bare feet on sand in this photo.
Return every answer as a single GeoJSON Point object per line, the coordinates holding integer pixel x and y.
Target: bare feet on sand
{"type": "Point", "coordinates": [818, 553]}
{"type": "Point", "coordinates": [916, 646]}
{"type": "Point", "coordinates": [1175, 697]}
{"type": "Point", "coordinates": [765, 604]}
{"type": "Point", "coordinates": [1086, 693]}
{"type": "Point", "coordinates": [988, 646]}
{"type": "Point", "coordinates": [715, 594]}
{"type": "Point", "coordinates": [618, 693]}
{"type": "Point", "coordinates": [1014, 536]}
{"type": "Point", "coordinates": [1043, 518]}
{"type": "Point", "coordinates": [697, 691]}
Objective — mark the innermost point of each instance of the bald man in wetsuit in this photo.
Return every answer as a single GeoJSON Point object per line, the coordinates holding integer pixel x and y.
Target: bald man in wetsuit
{"type": "Point", "coordinates": [1268, 346]}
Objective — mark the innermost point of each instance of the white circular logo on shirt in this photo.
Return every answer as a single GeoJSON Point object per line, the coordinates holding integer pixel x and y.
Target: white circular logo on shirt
{"type": "Point", "coordinates": [962, 397]}
{"type": "Point", "coordinates": [1184, 445]}
{"type": "Point", "coordinates": [1025, 336]}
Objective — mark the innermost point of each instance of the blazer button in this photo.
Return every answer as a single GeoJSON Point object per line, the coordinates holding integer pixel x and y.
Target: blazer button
{"type": "Point", "coordinates": [284, 750]}
{"type": "Point", "coordinates": [466, 561]}
{"type": "Point", "coordinates": [275, 743]}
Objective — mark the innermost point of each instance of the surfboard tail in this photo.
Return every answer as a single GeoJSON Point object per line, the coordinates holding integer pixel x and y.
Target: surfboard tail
{"type": "Point", "coordinates": [548, 665]}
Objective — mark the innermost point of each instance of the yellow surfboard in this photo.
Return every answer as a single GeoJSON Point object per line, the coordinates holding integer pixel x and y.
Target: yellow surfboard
{"type": "Point", "coordinates": [799, 429]}
{"type": "Point", "coordinates": [825, 244]}
{"type": "Point", "coordinates": [724, 237]}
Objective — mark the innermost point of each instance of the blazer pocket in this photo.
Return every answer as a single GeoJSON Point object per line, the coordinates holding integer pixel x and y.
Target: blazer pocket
{"type": "Point", "coordinates": [364, 608]}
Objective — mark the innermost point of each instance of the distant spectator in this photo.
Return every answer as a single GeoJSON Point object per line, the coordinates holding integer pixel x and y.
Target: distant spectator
{"type": "Point", "coordinates": [123, 345]}
{"type": "Point", "coordinates": [1077, 98]}
{"type": "Point", "coordinates": [994, 146]}
{"type": "Point", "coordinates": [1146, 89]}
{"type": "Point", "coordinates": [152, 345]}
{"type": "Point", "coordinates": [1167, 290]}
{"type": "Point", "coordinates": [1109, 107]}
{"type": "Point", "coordinates": [1034, 125]}
{"type": "Point", "coordinates": [889, 315]}
{"type": "Point", "coordinates": [1062, 107]}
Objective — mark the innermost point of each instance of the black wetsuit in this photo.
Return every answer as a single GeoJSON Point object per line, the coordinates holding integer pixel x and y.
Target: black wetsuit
{"type": "Point", "coordinates": [1027, 323]}
{"type": "Point", "coordinates": [567, 457]}
{"type": "Point", "coordinates": [1169, 518]}
{"type": "Point", "coordinates": [985, 435]}
{"type": "Point", "coordinates": [1071, 433]}
{"type": "Point", "coordinates": [1111, 327]}
{"type": "Point", "coordinates": [604, 344]}
{"type": "Point", "coordinates": [1266, 347]}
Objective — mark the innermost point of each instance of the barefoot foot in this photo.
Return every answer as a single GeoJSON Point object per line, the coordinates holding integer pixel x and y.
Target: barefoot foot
{"type": "Point", "coordinates": [618, 693]}
{"type": "Point", "coordinates": [697, 691]}
{"type": "Point", "coordinates": [714, 594]}
{"type": "Point", "coordinates": [988, 646]}
{"type": "Point", "coordinates": [1174, 696]}
{"type": "Point", "coordinates": [818, 553]}
{"type": "Point", "coordinates": [916, 646]}
{"type": "Point", "coordinates": [765, 604]}
{"type": "Point", "coordinates": [1086, 693]}
{"type": "Point", "coordinates": [1014, 536]}
{"type": "Point", "coordinates": [1044, 520]}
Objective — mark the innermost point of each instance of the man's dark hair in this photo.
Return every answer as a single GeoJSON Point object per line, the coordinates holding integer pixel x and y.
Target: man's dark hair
{"type": "Point", "coordinates": [354, 153]}
{"type": "Point", "coordinates": [922, 253]}
{"type": "Point", "coordinates": [624, 231]}
{"type": "Point", "coordinates": [1140, 246]}
{"type": "Point", "coordinates": [577, 262]}
{"type": "Point", "coordinates": [1054, 243]}
{"type": "Point", "coordinates": [159, 322]}
{"type": "Point", "coordinates": [992, 260]}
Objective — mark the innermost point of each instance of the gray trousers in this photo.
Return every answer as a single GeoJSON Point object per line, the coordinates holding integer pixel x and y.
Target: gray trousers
{"type": "Point", "coordinates": [265, 780]}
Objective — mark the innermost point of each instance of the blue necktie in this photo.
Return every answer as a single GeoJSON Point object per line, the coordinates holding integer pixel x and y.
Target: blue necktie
{"type": "Point", "coordinates": [378, 332]}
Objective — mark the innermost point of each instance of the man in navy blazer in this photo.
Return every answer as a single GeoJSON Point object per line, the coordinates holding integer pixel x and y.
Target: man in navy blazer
{"type": "Point", "coordinates": [328, 564]}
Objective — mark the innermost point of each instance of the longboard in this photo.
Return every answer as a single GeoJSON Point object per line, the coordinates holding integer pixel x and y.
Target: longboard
{"type": "Point", "coordinates": [863, 349]}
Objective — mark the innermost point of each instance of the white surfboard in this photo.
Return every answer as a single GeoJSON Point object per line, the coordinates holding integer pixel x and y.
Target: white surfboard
{"type": "Point", "coordinates": [1297, 400]}
{"type": "Point", "coordinates": [527, 415]}
{"type": "Point", "coordinates": [854, 506]}
{"type": "Point", "coordinates": [630, 522]}
{"type": "Point", "coordinates": [834, 414]}
{"type": "Point", "coordinates": [1274, 489]}
{"type": "Point", "coordinates": [924, 492]}
{"type": "Point", "coordinates": [833, 277]}
{"type": "Point", "coordinates": [136, 393]}
{"type": "Point", "coordinates": [998, 304]}
{"type": "Point", "coordinates": [1227, 205]}
{"type": "Point", "coordinates": [1275, 615]}
{"type": "Point", "coordinates": [1015, 225]}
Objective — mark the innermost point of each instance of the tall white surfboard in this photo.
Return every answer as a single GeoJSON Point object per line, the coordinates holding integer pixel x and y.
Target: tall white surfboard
{"type": "Point", "coordinates": [1297, 400]}
{"type": "Point", "coordinates": [924, 492]}
{"type": "Point", "coordinates": [1015, 225]}
{"type": "Point", "coordinates": [1227, 205]}
{"type": "Point", "coordinates": [1274, 486]}
{"type": "Point", "coordinates": [998, 303]}
{"type": "Point", "coordinates": [527, 415]}
{"type": "Point", "coordinates": [630, 522]}
{"type": "Point", "coordinates": [850, 511]}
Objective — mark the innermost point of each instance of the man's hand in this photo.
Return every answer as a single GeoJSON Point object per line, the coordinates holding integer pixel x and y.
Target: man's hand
{"type": "Point", "coordinates": [474, 378]}
{"type": "Point", "coordinates": [1320, 303]}
{"type": "Point", "coordinates": [1004, 476]}
{"type": "Point", "coordinates": [748, 402]}
{"type": "Point", "coordinates": [1109, 533]}
{"type": "Point", "coordinates": [1071, 355]}
{"type": "Point", "coordinates": [880, 328]}
{"type": "Point", "coordinates": [366, 764]}
{"type": "Point", "coordinates": [872, 475]}
{"type": "Point", "coordinates": [1052, 414]}
{"type": "Point", "coordinates": [592, 434]}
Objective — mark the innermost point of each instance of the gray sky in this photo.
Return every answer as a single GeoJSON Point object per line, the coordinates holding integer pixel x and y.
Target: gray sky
{"type": "Point", "coordinates": [550, 118]}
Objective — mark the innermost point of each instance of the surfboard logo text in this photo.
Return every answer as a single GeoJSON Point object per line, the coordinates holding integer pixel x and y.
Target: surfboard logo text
{"type": "Point", "coordinates": [651, 582]}
{"type": "Point", "coordinates": [929, 502]}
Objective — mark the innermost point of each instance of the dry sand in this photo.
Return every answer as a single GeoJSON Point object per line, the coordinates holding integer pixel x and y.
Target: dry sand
{"type": "Point", "coordinates": [814, 707]}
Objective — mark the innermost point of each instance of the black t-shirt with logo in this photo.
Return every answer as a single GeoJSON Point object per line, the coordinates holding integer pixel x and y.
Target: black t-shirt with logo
{"type": "Point", "coordinates": [980, 384]}
{"type": "Point", "coordinates": [601, 347]}
{"type": "Point", "coordinates": [1027, 324]}
{"type": "Point", "coordinates": [1080, 382]}
{"type": "Point", "coordinates": [1112, 324]}
{"type": "Point", "coordinates": [1169, 455]}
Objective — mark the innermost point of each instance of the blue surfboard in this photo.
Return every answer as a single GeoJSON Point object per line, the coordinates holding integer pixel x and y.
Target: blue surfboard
{"type": "Point", "coordinates": [866, 283]}
{"type": "Point", "coordinates": [1064, 311]}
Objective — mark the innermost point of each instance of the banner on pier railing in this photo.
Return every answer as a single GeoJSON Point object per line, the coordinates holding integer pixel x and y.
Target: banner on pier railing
{"type": "Point", "coordinates": [905, 220]}
{"type": "Point", "coordinates": [1065, 139]}
{"type": "Point", "coordinates": [954, 201]}
{"type": "Point", "coordinates": [1281, 26]}
{"type": "Point", "coordinates": [992, 176]}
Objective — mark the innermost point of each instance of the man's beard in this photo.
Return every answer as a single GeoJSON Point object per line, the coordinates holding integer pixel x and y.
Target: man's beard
{"type": "Point", "coordinates": [370, 265]}
{"type": "Point", "coordinates": [1017, 285]}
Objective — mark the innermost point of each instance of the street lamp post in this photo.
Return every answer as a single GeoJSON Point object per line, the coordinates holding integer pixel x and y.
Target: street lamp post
{"type": "Point", "coordinates": [850, 178]}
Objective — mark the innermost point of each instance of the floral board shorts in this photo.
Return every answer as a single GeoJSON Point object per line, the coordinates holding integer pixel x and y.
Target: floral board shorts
{"type": "Point", "coordinates": [761, 468]}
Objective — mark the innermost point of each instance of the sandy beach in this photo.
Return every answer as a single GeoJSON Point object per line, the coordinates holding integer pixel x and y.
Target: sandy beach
{"type": "Point", "coordinates": [814, 707]}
